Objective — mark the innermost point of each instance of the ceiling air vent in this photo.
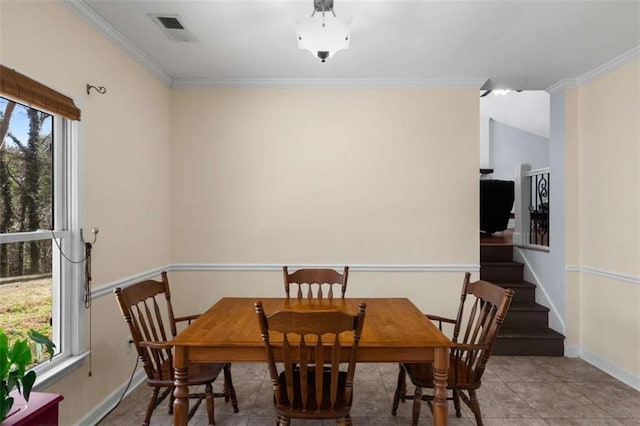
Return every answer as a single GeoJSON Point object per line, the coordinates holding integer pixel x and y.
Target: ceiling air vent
{"type": "Point", "coordinates": [173, 27]}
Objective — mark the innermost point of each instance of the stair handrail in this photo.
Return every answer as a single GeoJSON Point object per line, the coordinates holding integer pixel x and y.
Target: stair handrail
{"type": "Point", "coordinates": [531, 196]}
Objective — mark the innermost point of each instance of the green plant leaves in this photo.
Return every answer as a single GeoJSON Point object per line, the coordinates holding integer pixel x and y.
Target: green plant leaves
{"type": "Point", "coordinates": [14, 360]}
{"type": "Point", "coordinates": [6, 402]}
{"type": "Point", "coordinates": [4, 357]}
{"type": "Point", "coordinates": [43, 340]}
{"type": "Point", "coordinates": [27, 383]}
{"type": "Point", "coordinates": [20, 355]}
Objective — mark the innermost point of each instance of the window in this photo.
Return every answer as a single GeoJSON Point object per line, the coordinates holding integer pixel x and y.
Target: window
{"type": "Point", "coordinates": [40, 250]}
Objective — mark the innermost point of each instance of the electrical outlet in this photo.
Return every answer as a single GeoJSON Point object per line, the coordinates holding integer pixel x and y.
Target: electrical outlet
{"type": "Point", "coordinates": [128, 344]}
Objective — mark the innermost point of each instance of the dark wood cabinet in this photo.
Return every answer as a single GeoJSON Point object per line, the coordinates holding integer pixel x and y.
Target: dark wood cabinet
{"type": "Point", "coordinates": [41, 410]}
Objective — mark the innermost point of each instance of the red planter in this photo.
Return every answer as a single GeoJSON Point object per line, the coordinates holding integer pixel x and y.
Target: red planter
{"type": "Point", "coordinates": [41, 410]}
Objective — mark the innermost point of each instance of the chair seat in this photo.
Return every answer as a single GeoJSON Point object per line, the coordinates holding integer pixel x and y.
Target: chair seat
{"type": "Point", "coordinates": [421, 375]}
{"type": "Point", "coordinates": [199, 374]}
{"type": "Point", "coordinates": [296, 410]}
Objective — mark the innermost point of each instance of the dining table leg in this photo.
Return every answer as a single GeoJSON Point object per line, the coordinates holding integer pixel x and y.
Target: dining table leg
{"type": "Point", "coordinates": [181, 391]}
{"type": "Point", "coordinates": [440, 369]}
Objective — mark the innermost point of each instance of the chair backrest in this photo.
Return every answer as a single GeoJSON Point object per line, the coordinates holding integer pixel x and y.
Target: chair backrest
{"type": "Point", "coordinates": [146, 307]}
{"type": "Point", "coordinates": [303, 352]}
{"type": "Point", "coordinates": [486, 305]}
{"type": "Point", "coordinates": [310, 282]}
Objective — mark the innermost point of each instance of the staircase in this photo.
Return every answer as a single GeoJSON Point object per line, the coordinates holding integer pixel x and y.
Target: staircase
{"type": "Point", "coordinates": [525, 330]}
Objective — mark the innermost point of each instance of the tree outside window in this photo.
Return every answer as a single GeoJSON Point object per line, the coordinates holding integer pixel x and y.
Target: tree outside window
{"type": "Point", "coordinates": [26, 219]}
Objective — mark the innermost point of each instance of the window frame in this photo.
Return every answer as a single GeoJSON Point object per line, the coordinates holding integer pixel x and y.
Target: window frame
{"type": "Point", "coordinates": [67, 307]}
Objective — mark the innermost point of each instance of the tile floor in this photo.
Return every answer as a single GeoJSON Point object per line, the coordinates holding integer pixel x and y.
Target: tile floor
{"type": "Point", "coordinates": [527, 391]}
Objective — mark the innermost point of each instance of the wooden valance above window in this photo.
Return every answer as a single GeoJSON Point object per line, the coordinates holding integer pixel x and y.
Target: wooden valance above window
{"type": "Point", "coordinates": [22, 88]}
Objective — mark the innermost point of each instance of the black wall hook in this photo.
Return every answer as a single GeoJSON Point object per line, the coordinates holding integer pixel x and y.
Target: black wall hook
{"type": "Point", "coordinates": [100, 89]}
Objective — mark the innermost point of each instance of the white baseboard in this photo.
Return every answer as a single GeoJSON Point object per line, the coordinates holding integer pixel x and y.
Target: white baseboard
{"type": "Point", "coordinates": [631, 379]}
{"type": "Point", "coordinates": [102, 409]}
{"type": "Point", "coordinates": [572, 351]}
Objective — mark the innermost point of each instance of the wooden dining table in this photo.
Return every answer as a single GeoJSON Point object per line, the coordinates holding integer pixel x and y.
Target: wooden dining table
{"type": "Point", "coordinates": [395, 330]}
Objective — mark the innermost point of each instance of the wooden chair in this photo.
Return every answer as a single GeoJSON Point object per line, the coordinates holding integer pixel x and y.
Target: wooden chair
{"type": "Point", "coordinates": [146, 314]}
{"type": "Point", "coordinates": [311, 385]}
{"type": "Point", "coordinates": [468, 356]}
{"type": "Point", "coordinates": [307, 279]}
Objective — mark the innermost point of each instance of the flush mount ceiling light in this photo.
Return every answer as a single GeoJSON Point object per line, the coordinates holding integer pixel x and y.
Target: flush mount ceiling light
{"type": "Point", "coordinates": [323, 34]}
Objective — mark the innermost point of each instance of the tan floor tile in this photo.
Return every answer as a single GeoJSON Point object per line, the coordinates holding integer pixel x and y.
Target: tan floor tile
{"type": "Point", "coordinates": [367, 372]}
{"type": "Point", "coordinates": [428, 420]}
{"type": "Point", "coordinates": [406, 410]}
{"type": "Point", "coordinates": [518, 369]}
{"type": "Point", "coordinates": [372, 421]}
{"type": "Point", "coordinates": [556, 400]}
{"type": "Point", "coordinates": [498, 400]}
{"type": "Point", "coordinates": [203, 420]}
{"type": "Point", "coordinates": [616, 399]}
{"type": "Point", "coordinates": [516, 391]}
{"type": "Point", "coordinates": [513, 422]}
{"type": "Point", "coordinates": [583, 422]}
{"type": "Point", "coordinates": [572, 369]}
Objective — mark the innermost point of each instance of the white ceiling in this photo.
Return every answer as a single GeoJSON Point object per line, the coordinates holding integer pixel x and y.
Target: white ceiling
{"type": "Point", "coordinates": [514, 44]}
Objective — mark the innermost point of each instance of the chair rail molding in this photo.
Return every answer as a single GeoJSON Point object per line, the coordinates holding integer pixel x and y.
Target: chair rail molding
{"type": "Point", "coordinates": [275, 267]}
{"type": "Point", "coordinates": [633, 279]}
{"type": "Point", "coordinates": [127, 281]}
{"type": "Point", "coordinates": [266, 267]}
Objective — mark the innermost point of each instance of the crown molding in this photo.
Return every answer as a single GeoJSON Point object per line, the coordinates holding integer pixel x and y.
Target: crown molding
{"type": "Point", "coordinates": [606, 68]}
{"type": "Point", "coordinates": [615, 63]}
{"type": "Point", "coordinates": [462, 83]}
{"type": "Point", "coordinates": [561, 86]}
{"type": "Point", "coordinates": [87, 14]}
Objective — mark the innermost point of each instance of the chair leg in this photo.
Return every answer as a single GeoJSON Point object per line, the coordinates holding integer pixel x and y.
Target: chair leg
{"type": "Point", "coordinates": [475, 407]}
{"type": "Point", "coordinates": [283, 421]}
{"type": "Point", "coordinates": [417, 402]}
{"type": "Point", "coordinates": [347, 420]}
{"type": "Point", "coordinates": [150, 406]}
{"type": "Point", "coordinates": [400, 390]}
{"type": "Point", "coordinates": [229, 391]}
{"type": "Point", "coordinates": [208, 390]}
{"type": "Point", "coordinates": [456, 402]}
{"type": "Point", "coordinates": [171, 400]}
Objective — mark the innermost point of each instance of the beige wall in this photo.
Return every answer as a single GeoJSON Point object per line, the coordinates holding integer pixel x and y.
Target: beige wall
{"type": "Point", "coordinates": [327, 176]}
{"type": "Point", "coordinates": [609, 217]}
{"type": "Point", "coordinates": [433, 292]}
{"type": "Point", "coordinates": [346, 176]}
{"type": "Point", "coordinates": [125, 139]}
{"type": "Point", "coordinates": [274, 176]}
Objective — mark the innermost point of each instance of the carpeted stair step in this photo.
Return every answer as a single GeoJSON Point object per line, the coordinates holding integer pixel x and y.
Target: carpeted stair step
{"type": "Point", "coordinates": [527, 316]}
{"type": "Point", "coordinates": [524, 292]}
{"type": "Point", "coordinates": [502, 272]}
{"type": "Point", "coordinates": [545, 342]}
{"type": "Point", "coordinates": [489, 253]}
